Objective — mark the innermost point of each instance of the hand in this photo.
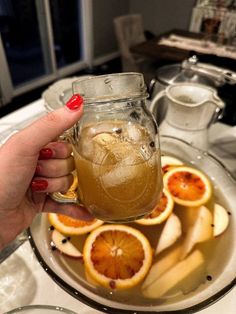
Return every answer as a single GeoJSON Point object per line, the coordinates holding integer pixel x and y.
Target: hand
{"type": "Point", "coordinates": [33, 165]}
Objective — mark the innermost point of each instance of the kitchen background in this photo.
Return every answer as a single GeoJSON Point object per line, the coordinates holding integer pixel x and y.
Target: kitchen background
{"type": "Point", "coordinates": [45, 40]}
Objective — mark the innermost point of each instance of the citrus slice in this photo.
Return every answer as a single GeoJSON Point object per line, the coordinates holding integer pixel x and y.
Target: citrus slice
{"type": "Point", "coordinates": [74, 184]}
{"type": "Point", "coordinates": [168, 162]}
{"type": "Point", "coordinates": [161, 211]}
{"type": "Point", "coordinates": [72, 191]}
{"type": "Point", "coordinates": [117, 256]}
{"type": "Point", "coordinates": [188, 186]}
{"type": "Point", "coordinates": [72, 226]}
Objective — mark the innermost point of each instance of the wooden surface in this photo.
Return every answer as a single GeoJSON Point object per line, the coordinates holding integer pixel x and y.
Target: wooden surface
{"type": "Point", "coordinates": [151, 49]}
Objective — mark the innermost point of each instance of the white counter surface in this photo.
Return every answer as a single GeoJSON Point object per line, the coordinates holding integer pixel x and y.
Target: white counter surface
{"type": "Point", "coordinates": [30, 284]}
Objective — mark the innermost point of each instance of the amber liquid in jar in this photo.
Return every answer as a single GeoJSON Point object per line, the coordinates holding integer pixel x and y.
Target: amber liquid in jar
{"type": "Point", "coordinates": [119, 171]}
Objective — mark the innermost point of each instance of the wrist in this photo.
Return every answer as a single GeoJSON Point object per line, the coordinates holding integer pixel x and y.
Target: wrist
{"type": "Point", "coordinates": [10, 227]}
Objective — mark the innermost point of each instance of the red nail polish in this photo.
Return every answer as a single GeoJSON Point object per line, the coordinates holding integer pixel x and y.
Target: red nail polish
{"type": "Point", "coordinates": [37, 169]}
{"type": "Point", "coordinates": [39, 185]}
{"type": "Point", "coordinates": [45, 153]}
{"type": "Point", "coordinates": [75, 102]}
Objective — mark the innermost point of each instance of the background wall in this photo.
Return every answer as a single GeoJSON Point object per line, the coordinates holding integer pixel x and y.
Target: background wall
{"type": "Point", "coordinates": [158, 16]}
{"type": "Point", "coordinates": [163, 15]}
{"type": "Point", "coordinates": [104, 12]}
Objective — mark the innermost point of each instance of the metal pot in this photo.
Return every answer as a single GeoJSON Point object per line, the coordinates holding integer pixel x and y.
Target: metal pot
{"type": "Point", "coordinates": [191, 71]}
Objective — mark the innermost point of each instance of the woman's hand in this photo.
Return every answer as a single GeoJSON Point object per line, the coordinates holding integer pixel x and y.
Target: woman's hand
{"type": "Point", "coordinates": [33, 164]}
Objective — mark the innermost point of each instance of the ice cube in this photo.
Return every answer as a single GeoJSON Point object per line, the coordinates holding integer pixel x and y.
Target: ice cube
{"type": "Point", "coordinates": [134, 132]}
{"type": "Point", "coordinates": [86, 149]}
{"type": "Point", "coordinates": [119, 174]}
{"type": "Point", "coordinates": [128, 166]}
{"type": "Point", "coordinates": [100, 128]}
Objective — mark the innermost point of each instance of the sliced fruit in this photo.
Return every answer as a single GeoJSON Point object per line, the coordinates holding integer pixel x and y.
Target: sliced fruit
{"type": "Point", "coordinates": [173, 276]}
{"type": "Point", "coordinates": [104, 138]}
{"type": "Point", "coordinates": [221, 220]}
{"type": "Point", "coordinates": [162, 265]}
{"type": "Point", "coordinates": [187, 216]}
{"type": "Point", "coordinates": [170, 233]}
{"type": "Point", "coordinates": [90, 279]}
{"type": "Point", "coordinates": [64, 245]}
{"type": "Point", "coordinates": [72, 191]}
{"type": "Point", "coordinates": [161, 212]}
{"type": "Point", "coordinates": [74, 184]}
{"type": "Point", "coordinates": [201, 230]}
{"type": "Point", "coordinates": [188, 186]}
{"type": "Point", "coordinates": [167, 162]}
{"type": "Point", "coordinates": [72, 226]}
{"type": "Point", "coordinates": [117, 256]}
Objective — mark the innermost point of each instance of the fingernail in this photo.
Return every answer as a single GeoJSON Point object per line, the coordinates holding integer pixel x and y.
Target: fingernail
{"type": "Point", "coordinates": [75, 102]}
{"type": "Point", "coordinates": [45, 153]}
{"type": "Point", "coordinates": [39, 185]}
{"type": "Point", "coordinates": [37, 169]}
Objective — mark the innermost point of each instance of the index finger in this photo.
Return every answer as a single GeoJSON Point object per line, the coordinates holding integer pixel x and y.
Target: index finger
{"type": "Point", "coordinates": [49, 127]}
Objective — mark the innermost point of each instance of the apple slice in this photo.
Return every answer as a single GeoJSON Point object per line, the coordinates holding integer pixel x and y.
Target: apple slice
{"type": "Point", "coordinates": [221, 220]}
{"type": "Point", "coordinates": [200, 231]}
{"type": "Point", "coordinates": [170, 233]}
{"type": "Point", "coordinates": [64, 245]}
{"type": "Point", "coordinates": [187, 216]}
{"type": "Point", "coordinates": [162, 265]}
{"type": "Point", "coordinates": [174, 276]}
{"type": "Point", "coordinates": [104, 138]}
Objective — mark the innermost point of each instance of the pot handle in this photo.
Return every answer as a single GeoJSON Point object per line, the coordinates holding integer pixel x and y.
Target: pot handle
{"type": "Point", "coordinates": [151, 87]}
{"type": "Point", "coordinates": [155, 100]}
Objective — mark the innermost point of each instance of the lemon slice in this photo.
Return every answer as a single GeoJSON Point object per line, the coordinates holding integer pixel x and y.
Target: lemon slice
{"type": "Point", "coordinates": [117, 256]}
{"type": "Point", "coordinates": [161, 211]}
{"type": "Point", "coordinates": [72, 226]}
{"type": "Point", "coordinates": [188, 186]}
{"type": "Point", "coordinates": [71, 193]}
{"type": "Point", "coordinates": [74, 184]}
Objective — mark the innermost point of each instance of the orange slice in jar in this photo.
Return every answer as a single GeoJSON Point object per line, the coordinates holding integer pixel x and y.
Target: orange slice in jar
{"type": "Point", "coordinates": [188, 186]}
{"type": "Point", "coordinates": [72, 191]}
{"type": "Point", "coordinates": [161, 211]}
{"type": "Point", "coordinates": [117, 256]}
{"type": "Point", "coordinates": [74, 184]}
{"type": "Point", "coordinates": [71, 226]}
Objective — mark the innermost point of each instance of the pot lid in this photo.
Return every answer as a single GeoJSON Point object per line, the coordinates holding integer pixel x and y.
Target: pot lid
{"type": "Point", "coordinates": [170, 74]}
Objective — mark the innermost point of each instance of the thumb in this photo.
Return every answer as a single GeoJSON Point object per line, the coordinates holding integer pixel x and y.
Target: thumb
{"type": "Point", "coordinates": [50, 126]}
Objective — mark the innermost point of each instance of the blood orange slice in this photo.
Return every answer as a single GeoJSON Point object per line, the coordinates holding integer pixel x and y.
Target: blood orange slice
{"type": "Point", "coordinates": [188, 186]}
{"type": "Point", "coordinates": [168, 162]}
{"type": "Point", "coordinates": [72, 226]}
{"type": "Point", "coordinates": [161, 211]}
{"type": "Point", "coordinates": [117, 256]}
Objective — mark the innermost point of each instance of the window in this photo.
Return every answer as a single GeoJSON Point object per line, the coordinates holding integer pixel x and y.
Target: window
{"type": "Point", "coordinates": [41, 41]}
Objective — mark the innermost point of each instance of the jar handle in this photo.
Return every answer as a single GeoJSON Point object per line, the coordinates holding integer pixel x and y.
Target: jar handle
{"type": "Point", "coordinates": [69, 197]}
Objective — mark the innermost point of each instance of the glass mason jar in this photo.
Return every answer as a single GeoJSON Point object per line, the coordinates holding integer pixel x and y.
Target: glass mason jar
{"type": "Point", "coordinates": [116, 148]}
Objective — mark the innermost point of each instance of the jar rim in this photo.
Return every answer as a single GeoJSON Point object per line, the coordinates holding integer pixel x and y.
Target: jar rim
{"type": "Point", "coordinates": [126, 86]}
